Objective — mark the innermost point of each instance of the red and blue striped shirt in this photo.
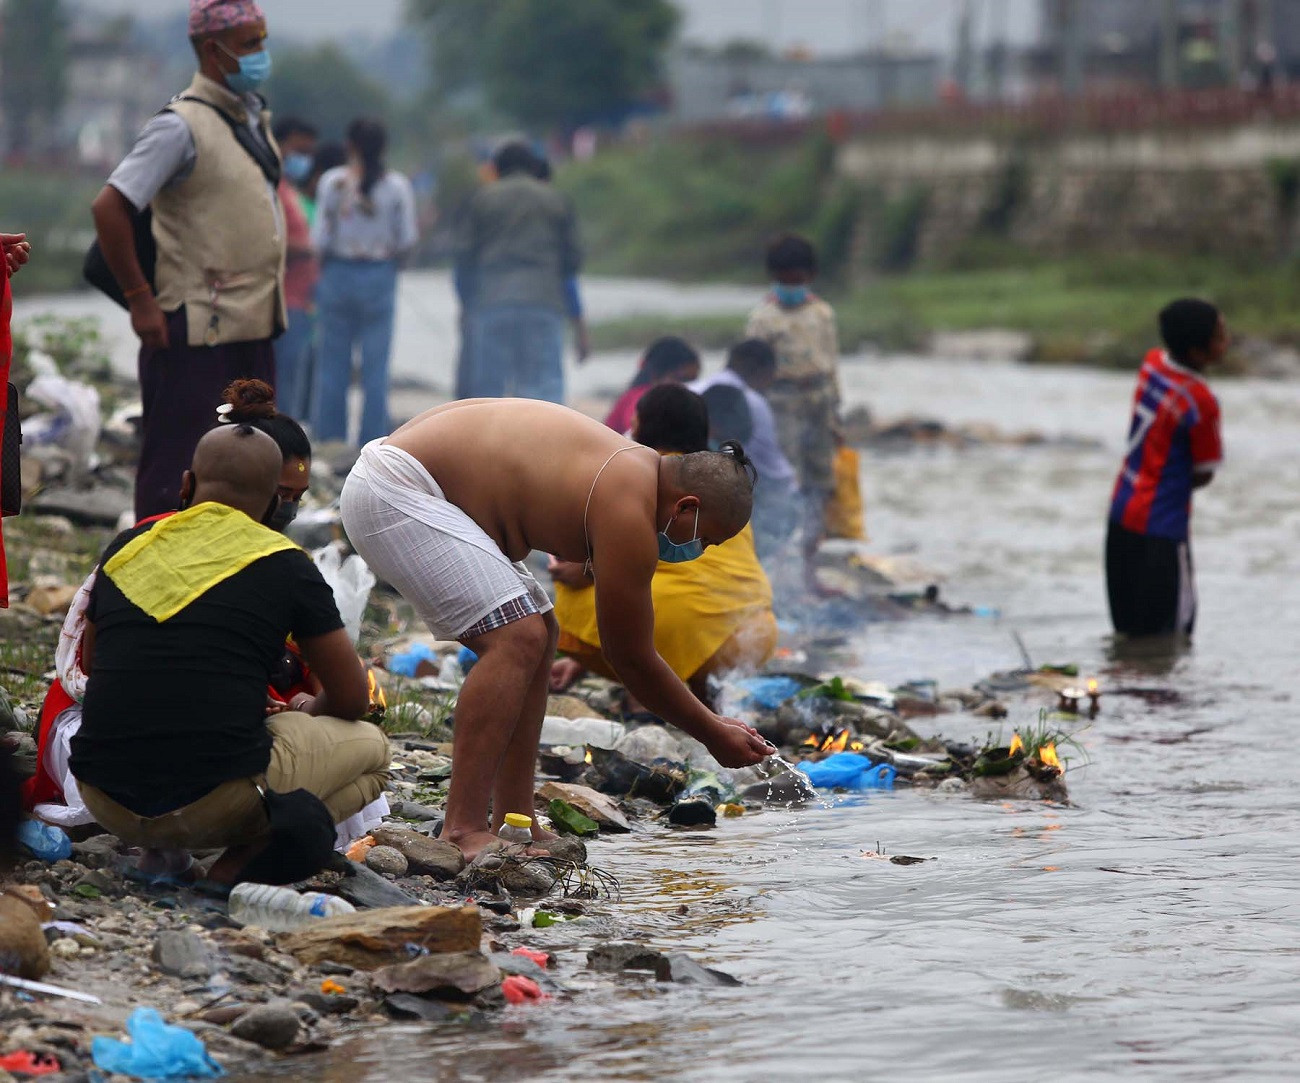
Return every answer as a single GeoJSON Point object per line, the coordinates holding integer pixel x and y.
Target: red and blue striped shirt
{"type": "Point", "coordinates": [1174, 435]}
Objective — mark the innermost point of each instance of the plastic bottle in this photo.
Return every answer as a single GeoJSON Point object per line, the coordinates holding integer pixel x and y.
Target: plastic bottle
{"type": "Point", "coordinates": [44, 841]}
{"type": "Point", "coordinates": [600, 732]}
{"type": "Point", "coordinates": [281, 909]}
{"type": "Point", "coordinates": [517, 828]}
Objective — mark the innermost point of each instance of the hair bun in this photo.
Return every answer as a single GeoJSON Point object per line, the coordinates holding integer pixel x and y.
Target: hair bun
{"type": "Point", "coordinates": [249, 400]}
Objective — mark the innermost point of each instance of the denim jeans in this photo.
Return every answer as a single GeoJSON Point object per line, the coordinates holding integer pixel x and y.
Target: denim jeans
{"type": "Point", "coordinates": [355, 303]}
{"type": "Point", "coordinates": [293, 357]}
{"type": "Point", "coordinates": [516, 350]}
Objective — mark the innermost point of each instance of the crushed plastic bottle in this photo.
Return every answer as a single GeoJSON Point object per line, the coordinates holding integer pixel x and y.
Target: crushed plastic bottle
{"type": "Point", "coordinates": [44, 841]}
{"type": "Point", "coordinates": [281, 909]}
{"type": "Point", "coordinates": [517, 828]}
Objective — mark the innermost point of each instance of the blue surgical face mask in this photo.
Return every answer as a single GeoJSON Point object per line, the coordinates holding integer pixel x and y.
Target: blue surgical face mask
{"type": "Point", "coordinates": [254, 70]}
{"type": "Point", "coordinates": [789, 296]}
{"type": "Point", "coordinates": [670, 552]}
{"type": "Point", "coordinates": [297, 166]}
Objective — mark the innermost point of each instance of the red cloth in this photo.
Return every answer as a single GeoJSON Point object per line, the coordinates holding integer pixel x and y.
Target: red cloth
{"type": "Point", "coordinates": [623, 412]}
{"type": "Point", "coordinates": [42, 788]}
{"type": "Point", "coordinates": [6, 357]}
{"type": "Point", "coordinates": [300, 272]}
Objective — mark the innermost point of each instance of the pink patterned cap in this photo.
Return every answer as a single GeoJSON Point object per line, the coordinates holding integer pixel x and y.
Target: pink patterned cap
{"type": "Point", "coordinates": [212, 16]}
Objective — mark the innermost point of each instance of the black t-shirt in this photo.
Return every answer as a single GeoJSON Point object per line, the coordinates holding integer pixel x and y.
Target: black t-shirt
{"type": "Point", "coordinates": [173, 710]}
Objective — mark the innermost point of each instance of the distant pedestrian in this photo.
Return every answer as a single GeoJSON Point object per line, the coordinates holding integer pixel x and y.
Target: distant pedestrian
{"type": "Point", "coordinates": [805, 395]}
{"type": "Point", "coordinates": [668, 360]}
{"type": "Point", "coordinates": [329, 155]}
{"type": "Point", "coordinates": [517, 257]}
{"type": "Point", "coordinates": [1174, 448]}
{"type": "Point", "coordinates": [297, 141]}
{"type": "Point", "coordinates": [365, 224]}
{"type": "Point", "coordinates": [208, 169]}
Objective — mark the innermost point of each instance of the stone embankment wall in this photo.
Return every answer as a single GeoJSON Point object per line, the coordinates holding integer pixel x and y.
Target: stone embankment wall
{"type": "Point", "coordinates": [1225, 192]}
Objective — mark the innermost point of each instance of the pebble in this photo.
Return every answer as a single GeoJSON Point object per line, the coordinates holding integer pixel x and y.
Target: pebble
{"type": "Point", "coordinates": [272, 1026]}
{"type": "Point", "coordinates": [183, 954]}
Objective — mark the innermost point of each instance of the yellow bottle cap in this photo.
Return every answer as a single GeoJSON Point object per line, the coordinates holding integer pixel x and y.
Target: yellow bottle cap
{"type": "Point", "coordinates": [518, 819]}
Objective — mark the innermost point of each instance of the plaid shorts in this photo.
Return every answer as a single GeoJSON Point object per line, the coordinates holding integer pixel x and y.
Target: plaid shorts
{"type": "Point", "coordinates": [507, 613]}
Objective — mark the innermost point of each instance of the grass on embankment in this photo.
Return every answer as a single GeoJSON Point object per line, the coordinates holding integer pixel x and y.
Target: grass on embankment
{"type": "Point", "coordinates": [1086, 309]}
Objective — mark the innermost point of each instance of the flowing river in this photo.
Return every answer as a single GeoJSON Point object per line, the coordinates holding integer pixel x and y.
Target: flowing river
{"type": "Point", "coordinates": [1148, 932]}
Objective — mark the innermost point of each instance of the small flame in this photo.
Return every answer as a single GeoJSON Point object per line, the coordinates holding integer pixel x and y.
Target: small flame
{"type": "Point", "coordinates": [1092, 686]}
{"type": "Point", "coordinates": [813, 742]}
{"type": "Point", "coordinates": [837, 743]}
{"type": "Point", "coordinates": [1047, 754]}
{"type": "Point", "coordinates": [378, 701]}
{"type": "Point", "coordinates": [587, 757]}
{"type": "Point", "coordinates": [1017, 745]}
{"type": "Point", "coordinates": [856, 746]}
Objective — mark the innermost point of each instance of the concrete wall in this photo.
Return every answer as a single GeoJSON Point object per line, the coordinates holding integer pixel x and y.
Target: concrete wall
{"type": "Point", "coordinates": [1203, 191]}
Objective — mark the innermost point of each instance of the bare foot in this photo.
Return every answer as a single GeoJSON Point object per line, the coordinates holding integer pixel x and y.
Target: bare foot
{"type": "Point", "coordinates": [470, 843]}
{"type": "Point", "coordinates": [540, 834]}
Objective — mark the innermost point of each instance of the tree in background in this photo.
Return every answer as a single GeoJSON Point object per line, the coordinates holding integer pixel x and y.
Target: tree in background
{"type": "Point", "coordinates": [323, 86]}
{"type": "Point", "coordinates": [550, 64]}
{"type": "Point", "coordinates": [33, 67]}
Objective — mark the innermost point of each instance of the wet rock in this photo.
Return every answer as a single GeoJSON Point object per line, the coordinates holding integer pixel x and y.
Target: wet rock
{"type": "Point", "coordinates": [365, 888]}
{"type": "Point", "coordinates": [612, 958]}
{"type": "Point", "coordinates": [525, 968]}
{"type": "Point", "coordinates": [386, 861]}
{"type": "Point", "coordinates": [1019, 784]}
{"type": "Point", "coordinates": [528, 881]}
{"type": "Point", "coordinates": [566, 848]}
{"type": "Point", "coordinates": [612, 772]}
{"type": "Point", "coordinates": [377, 938]}
{"type": "Point", "coordinates": [183, 954]}
{"type": "Point", "coordinates": [693, 812]}
{"type": "Point", "coordinates": [23, 950]}
{"type": "Point", "coordinates": [328, 1003]}
{"type": "Point", "coordinates": [410, 1006]}
{"type": "Point", "coordinates": [97, 852]}
{"type": "Point", "coordinates": [589, 802]}
{"type": "Point", "coordinates": [684, 970]}
{"type": "Point", "coordinates": [455, 975]}
{"type": "Point", "coordinates": [272, 1026]}
{"type": "Point", "coordinates": [424, 856]}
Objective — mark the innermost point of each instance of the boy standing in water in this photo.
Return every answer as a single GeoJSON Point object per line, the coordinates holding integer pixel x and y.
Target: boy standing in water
{"type": "Point", "coordinates": [805, 395]}
{"type": "Point", "coordinates": [1174, 447]}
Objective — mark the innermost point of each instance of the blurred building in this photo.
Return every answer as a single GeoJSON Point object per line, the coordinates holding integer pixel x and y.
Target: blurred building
{"type": "Point", "coordinates": [747, 82]}
{"type": "Point", "coordinates": [1135, 44]}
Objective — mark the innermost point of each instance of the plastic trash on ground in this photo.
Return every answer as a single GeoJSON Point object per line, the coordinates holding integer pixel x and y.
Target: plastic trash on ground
{"type": "Point", "coordinates": [73, 423]}
{"type": "Point", "coordinates": [407, 663]}
{"type": "Point", "coordinates": [44, 842]}
{"type": "Point", "coordinates": [521, 990]}
{"type": "Point", "coordinates": [769, 692]}
{"type": "Point", "coordinates": [575, 732]}
{"type": "Point", "coordinates": [541, 958]}
{"type": "Point", "coordinates": [156, 1050]}
{"type": "Point", "coordinates": [25, 1063]}
{"type": "Point", "coordinates": [849, 771]}
{"type": "Point", "coordinates": [351, 581]}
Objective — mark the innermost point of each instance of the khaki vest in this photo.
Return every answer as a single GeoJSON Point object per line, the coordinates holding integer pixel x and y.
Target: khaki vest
{"type": "Point", "coordinates": [220, 232]}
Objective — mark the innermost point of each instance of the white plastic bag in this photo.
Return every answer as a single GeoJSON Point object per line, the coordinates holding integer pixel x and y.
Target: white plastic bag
{"type": "Point", "coordinates": [351, 581]}
{"type": "Point", "coordinates": [74, 422]}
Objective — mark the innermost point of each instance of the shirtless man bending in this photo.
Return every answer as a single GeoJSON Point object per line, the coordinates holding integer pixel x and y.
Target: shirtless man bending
{"type": "Point", "coordinates": [447, 508]}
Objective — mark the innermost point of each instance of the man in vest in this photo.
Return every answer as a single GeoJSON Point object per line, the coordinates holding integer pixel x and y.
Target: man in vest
{"type": "Point", "coordinates": [208, 168]}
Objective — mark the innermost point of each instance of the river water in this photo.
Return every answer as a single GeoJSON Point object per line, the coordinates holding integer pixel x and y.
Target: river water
{"type": "Point", "coordinates": [1148, 932]}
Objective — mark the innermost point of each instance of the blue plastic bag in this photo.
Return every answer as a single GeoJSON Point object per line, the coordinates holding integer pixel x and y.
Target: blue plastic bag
{"type": "Point", "coordinates": [769, 692]}
{"type": "Point", "coordinates": [849, 771]}
{"type": "Point", "coordinates": [44, 841]}
{"type": "Point", "coordinates": [405, 664]}
{"type": "Point", "coordinates": [466, 658]}
{"type": "Point", "coordinates": [156, 1050]}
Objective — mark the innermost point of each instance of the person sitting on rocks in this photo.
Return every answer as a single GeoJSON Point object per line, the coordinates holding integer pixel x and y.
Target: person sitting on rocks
{"type": "Point", "coordinates": [447, 508]}
{"type": "Point", "coordinates": [185, 625]}
{"type": "Point", "coordinates": [712, 615]}
{"type": "Point", "coordinates": [52, 793]}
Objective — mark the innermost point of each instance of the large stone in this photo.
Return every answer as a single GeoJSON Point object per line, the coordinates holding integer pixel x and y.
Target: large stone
{"type": "Point", "coordinates": [424, 856]}
{"type": "Point", "coordinates": [589, 802]}
{"type": "Point", "coordinates": [612, 958]}
{"type": "Point", "coordinates": [375, 938]}
{"type": "Point", "coordinates": [386, 861]}
{"type": "Point", "coordinates": [567, 707]}
{"type": "Point", "coordinates": [458, 975]}
{"type": "Point", "coordinates": [413, 810]}
{"type": "Point", "coordinates": [182, 954]}
{"type": "Point", "coordinates": [96, 852]}
{"type": "Point", "coordinates": [23, 950]}
{"type": "Point", "coordinates": [365, 888]}
{"type": "Point", "coordinates": [684, 970]}
{"type": "Point", "coordinates": [272, 1026]}
{"type": "Point", "coordinates": [100, 506]}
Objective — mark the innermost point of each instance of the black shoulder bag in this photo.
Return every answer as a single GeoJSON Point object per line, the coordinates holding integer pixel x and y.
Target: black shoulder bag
{"type": "Point", "coordinates": [11, 466]}
{"type": "Point", "coordinates": [95, 269]}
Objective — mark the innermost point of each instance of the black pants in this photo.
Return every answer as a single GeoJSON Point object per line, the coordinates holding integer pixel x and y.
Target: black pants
{"type": "Point", "coordinates": [181, 388]}
{"type": "Point", "coordinates": [1150, 584]}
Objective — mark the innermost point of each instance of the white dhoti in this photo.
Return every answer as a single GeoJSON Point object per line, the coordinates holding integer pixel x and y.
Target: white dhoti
{"type": "Point", "coordinates": [441, 561]}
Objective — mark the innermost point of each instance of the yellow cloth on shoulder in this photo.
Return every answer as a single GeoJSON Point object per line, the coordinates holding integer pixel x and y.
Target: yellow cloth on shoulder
{"type": "Point", "coordinates": [181, 558]}
{"type": "Point", "coordinates": [699, 604]}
